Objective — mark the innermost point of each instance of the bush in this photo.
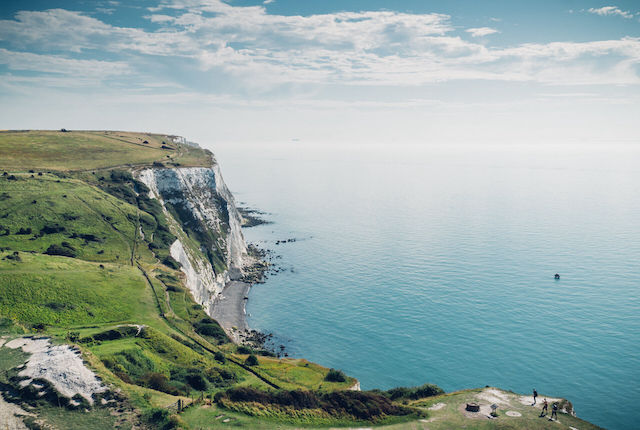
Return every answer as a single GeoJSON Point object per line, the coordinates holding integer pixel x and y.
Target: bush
{"type": "Point", "coordinates": [57, 306]}
{"type": "Point", "coordinates": [159, 418]}
{"type": "Point", "coordinates": [358, 404]}
{"type": "Point", "coordinates": [51, 229]}
{"type": "Point", "coordinates": [121, 176]}
{"type": "Point", "coordinates": [157, 381]}
{"type": "Point", "coordinates": [251, 360]}
{"type": "Point", "coordinates": [413, 393]}
{"type": "Point", "coordinates": [211, 329]}
{"type": "Point", "coordinates": [243, 349]}
{"type": "Point", "coordinates": [169, 261]}
{"type": "Point", "coordinates": [87, 237]}
{"type": "Point", "coordinates": [335, 375]}
{"type": "Point", "coordinates": [191, 377]}
{"type": "Point", "coordinates": [116, 333]}
{"type": "Point", "coordinates": [220, 376]}
{"type": "Point", "coordinates": [174, 288]}
{"type": "Point", "coordinates": [24, 230]}
{"type": "Point", "coordinates": [61, 250]}
{"type": "Point", "coordinates": [15, 256]}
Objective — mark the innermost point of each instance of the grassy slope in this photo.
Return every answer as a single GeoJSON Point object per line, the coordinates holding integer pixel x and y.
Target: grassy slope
{"type": "Point", "coordinates": [84, 150]}
{"type": "Point", "coordinates": [68, 292]}
{"type": "Point", "coordinates": [39, 201]}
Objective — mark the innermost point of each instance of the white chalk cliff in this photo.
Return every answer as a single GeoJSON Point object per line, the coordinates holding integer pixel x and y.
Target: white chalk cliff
{"type": "Point", "coordinates": [205, 205]}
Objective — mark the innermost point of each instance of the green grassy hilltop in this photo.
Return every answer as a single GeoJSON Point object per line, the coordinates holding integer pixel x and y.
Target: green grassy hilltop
{"type": "Point", "coordinates": [84, 259]}
{"type": "Point", "coordinates": [84, 150]}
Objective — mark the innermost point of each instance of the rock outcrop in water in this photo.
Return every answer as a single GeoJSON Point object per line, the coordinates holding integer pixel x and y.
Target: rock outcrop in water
{"type": "Point", "coordinates": [201, 207]}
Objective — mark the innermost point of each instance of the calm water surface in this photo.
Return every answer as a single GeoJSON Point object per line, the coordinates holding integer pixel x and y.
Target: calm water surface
{"type": "Point", "coordinates": [435, 264]}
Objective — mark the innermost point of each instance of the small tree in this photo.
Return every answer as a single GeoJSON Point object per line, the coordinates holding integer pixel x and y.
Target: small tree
{"type": "Point", "coordinates": [251, 360]}
{"type": "Point", "coordinates": [335, 375]}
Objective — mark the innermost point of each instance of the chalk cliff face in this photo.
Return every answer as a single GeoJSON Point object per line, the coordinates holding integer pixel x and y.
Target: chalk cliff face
{"type": "Point", "coordinates": [203, 209]}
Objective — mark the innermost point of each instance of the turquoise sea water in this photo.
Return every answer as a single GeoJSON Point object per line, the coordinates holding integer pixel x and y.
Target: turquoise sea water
{"type": "Point", "coordinates": [435, 264]}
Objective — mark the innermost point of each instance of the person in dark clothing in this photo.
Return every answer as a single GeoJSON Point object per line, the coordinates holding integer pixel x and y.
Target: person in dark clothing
{"type": "Point", "coordinates": [545, 408]}
{"type": "Point", "coordinates": [535, 394]}
{"type": "Point", "coordinates": [554, 411]}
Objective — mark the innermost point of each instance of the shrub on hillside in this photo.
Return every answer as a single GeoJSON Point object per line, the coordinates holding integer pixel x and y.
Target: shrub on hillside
{"type": "Point", "coordinates": [121, 176]}
{"type": "Point", "coordinates": [211, 329]}
{"type": "Point", "coordinates": [251, 360]}
{"type": "Point", "coordinates": [174, 288]}
{"type": "Point", "coordinates": [51, 229]}
{"type": "Point", "coordinates": [243, 349]}
{"type": "Point", "coordinates": [160, 418]}
{"type": "Point", "coordinates": [335, 375]}
{"type": "Point", "coordinates": [358, 404]}
{"type": "Point", "coordinates": [171, 262]}
{"type": "Point", "coordinates": [191, 377]}
{"type": "Point", "coordinates": [65, 251]}
{"type": "Point", "coordinates": [15, 256]}
{"type": "Point", "coordinates": [413, 393]}
{"type": "Point", "coordinates": [159, 382]}
{"type": "Point", "coordinates": [220, 377]}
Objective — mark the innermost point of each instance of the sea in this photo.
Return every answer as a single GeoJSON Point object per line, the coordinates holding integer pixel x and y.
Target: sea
{"type": "Point", "coordinates": [408, 264]}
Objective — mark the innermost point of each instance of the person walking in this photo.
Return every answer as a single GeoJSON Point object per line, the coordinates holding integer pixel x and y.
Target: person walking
{"type": "Point", "coordinates": [554, 411]}
{"type": "Point", "coordinates": [545, 408]}
{"type": "Point", "coordinates": [535, 394]}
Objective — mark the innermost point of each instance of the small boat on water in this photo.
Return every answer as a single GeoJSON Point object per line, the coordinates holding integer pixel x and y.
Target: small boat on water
{"type": "Point", "coordinates": [557, 276]}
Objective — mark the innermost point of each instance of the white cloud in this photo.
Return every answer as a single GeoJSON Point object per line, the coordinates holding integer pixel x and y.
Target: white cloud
{"type": "Point", "coordinates": [250, 49]}
{"type": "Point", "coordinates": [610, 10]}
{"type": "Point", "coordinates": [268, 1]}
{"type": "Point", "coordinates": [27, 61]}
{"type": "Point", "coordinates": [481, 31]}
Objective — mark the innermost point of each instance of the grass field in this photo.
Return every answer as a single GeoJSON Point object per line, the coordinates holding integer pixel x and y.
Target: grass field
{"type": "Point", "coordinates": [295, 373]}
{"type": "Point", "coordinates": [40, 211]}
{"type": "Point", "coordinates": [212, 417]}
{"type": "Point", "coordinates": [61, 291]}
{"type": "Point", "coordinates": [84, 150]}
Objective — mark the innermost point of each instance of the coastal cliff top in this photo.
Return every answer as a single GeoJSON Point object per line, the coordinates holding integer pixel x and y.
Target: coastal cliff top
{"type": "Point", "coordinates": [84, 150]}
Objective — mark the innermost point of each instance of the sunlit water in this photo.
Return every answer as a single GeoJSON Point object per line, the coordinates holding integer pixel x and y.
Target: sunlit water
{"type": "Point", "coordinates": [436, 264]}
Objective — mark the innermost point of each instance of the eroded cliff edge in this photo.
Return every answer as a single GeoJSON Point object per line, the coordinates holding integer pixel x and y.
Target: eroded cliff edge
{"type": "Point", "coordinates": [210, 246]}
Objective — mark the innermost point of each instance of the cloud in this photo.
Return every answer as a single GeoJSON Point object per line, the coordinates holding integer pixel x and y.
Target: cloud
{"type": "Point", "coordinates": [609, 11]}
{"type": "Point", "coordinates": [203, 43]}
{"type": "Point", "coordinates": [27, 61]}
{"type": "Point", "coordinates": [481, 31]}
{"type": "Point", "coordinates": [268, 1]}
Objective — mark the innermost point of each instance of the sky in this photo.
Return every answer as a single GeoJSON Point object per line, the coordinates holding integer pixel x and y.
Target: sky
{"type": "Point", "coordinates": [348, 71]}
